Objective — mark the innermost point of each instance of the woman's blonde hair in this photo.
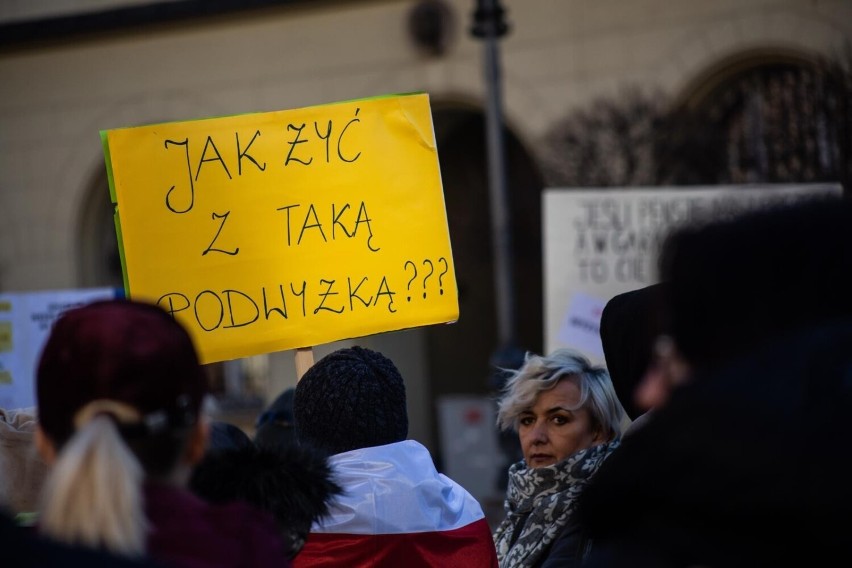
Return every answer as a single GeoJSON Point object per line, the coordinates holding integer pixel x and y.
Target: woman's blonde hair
{"type": "Point", "coordinates": [540, 373]}
{"type": "Point", "coordinates": [92, 495]}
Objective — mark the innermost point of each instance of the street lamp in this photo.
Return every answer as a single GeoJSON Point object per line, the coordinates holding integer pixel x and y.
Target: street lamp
{"type": "Point", "coordinates": [489, 25]}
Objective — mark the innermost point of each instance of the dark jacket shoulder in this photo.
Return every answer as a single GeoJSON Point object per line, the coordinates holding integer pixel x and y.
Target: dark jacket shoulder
{"type": "Point", "coordinates": [568, 549]}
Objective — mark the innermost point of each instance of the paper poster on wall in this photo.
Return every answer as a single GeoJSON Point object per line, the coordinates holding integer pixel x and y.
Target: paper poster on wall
{"type": "Point", "coordinates": [25, 320]}
{"type": "Point", "coordinates": [581, 324]}
{"type": "Point", "coordinates": [601, 243]}
{"type": "Point", "coordinates": [271, 231]}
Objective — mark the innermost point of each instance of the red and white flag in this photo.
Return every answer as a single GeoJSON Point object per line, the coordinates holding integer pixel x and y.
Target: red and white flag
{"type": "Point", "coordinates": [398, 511]}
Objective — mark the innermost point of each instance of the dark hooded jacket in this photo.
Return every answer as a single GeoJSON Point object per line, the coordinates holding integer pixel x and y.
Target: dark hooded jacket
{"type": "Point", "coordinates": [292, 483]}
{"type": "Point", "coordinates": [630, 323]}
{"type": "Point", "coordinates": [748, 466]}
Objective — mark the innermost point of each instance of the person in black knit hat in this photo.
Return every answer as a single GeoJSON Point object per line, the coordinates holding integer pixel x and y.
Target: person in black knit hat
{"type": "Point", "coordinates": [353, 398]}
{"type": "Point", "coordinates": [396, 509]}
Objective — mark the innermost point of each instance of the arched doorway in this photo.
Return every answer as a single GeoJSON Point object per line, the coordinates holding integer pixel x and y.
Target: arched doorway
{"type": "Point", "coordinates": [100, 263]}
{"type": "Point", "coordinates": [763, 116]}
{"type": "Point", "coordinates": [459, 355]}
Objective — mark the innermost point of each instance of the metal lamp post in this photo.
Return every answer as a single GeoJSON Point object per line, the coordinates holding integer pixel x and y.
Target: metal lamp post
{"type": "Point", "coordinates": [489, 25]}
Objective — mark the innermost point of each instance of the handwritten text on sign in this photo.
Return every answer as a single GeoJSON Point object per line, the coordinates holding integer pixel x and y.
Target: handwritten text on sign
{"type": "Point", "coordinates": [271, 231]}
{"type": "Point", "coordinates": [601, 243]}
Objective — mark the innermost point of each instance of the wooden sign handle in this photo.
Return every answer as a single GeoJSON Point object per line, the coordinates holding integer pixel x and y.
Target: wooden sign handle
{"type": "Point", "coordinates": [304, 361]}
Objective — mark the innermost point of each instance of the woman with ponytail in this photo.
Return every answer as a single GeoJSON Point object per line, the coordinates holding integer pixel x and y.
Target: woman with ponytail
{"type": "Point", "coordinates": [120, 391]}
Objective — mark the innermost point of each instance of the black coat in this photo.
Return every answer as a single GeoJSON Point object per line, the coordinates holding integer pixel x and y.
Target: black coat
{"type": "Point", "coordinates": [569, 548]}
{"type": "Point", "coordinates": [22, 548]}
{"type": "Point", "coordinates": [749, 466]}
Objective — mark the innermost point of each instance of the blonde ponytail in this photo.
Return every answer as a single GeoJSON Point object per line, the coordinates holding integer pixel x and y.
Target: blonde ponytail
{"type": "Point", "coordinates": [93, 495]}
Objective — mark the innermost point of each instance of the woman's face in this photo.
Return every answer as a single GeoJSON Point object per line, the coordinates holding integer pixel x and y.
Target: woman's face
{"type": "Point", "coordinates": [550, 432]}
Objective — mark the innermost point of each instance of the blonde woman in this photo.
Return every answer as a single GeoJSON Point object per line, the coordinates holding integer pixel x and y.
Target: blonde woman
{"type": "Point", "coordinates": [568, 419]}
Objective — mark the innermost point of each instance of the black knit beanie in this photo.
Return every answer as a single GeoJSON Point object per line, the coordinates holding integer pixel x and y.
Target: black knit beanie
{"type": "Point", "coordinates": [352, 398]}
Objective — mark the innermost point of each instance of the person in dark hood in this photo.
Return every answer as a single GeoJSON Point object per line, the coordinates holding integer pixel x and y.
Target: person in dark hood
{"type": "Point", "coordinates": [745, 463]}
{"type": "Point", "coordinates": [631, 325]}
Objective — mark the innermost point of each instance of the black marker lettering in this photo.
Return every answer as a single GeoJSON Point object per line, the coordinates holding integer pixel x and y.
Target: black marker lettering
{"type": "Point", "coordinates": [326, 138]}
{"type": "Point", "coordinates": [324, 295]}
{"type": "Point", "coordinates": [336, 221]}
{"type": "Point", "coordinates": [241, 154]}
{"type": "Point", "coordinates": [170, 299]}
{"type": "Point", "coordinates": [221, 310]}
{"type": "Point", "coordinates": [302, 294]}
{"type": "Point", "coordinates": [315, 225]}
{"type": "Point", "coordinates": [384, 290]}
{"type": "Point", "coordinates": [293, 145]}
{"type": "Point", "coordinates": [282, 311]}
{"type": "Point", "coordinates": [287, 209]}
{"type": "Point", "coordinates": [185, 144]}
{"type": "Point", "coordinates": [228, 294]}
{"type": "Point", "coordinates": [354, 294]}
{"type": "Point", "coordinates": [339, 138]}
{"type": "Point", "coordinates": [363, 217]}
{"type": "Point", "coordinates": [210, 248]}
{"type": "Point", "coordinates": [218, 158]}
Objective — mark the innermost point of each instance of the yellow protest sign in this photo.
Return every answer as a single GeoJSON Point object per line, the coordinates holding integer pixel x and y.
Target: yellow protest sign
{"type": "Point", "coordinates": [271, 231]}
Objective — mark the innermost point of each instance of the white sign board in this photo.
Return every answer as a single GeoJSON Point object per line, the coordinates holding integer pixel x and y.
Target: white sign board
{"type": "Point", "coordinates": [25, 320]}
{"type": "Point", "coordinates": [603, 242]}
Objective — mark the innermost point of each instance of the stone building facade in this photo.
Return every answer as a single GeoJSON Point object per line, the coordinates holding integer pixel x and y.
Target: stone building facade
{"type": "Point", "coordinates": [65, 74]}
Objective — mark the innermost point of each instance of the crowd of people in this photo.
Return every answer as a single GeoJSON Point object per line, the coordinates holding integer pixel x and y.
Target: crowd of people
{"type": "Point", "coordinates": [714, 436]}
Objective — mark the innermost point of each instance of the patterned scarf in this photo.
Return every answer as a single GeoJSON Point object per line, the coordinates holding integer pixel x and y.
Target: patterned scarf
{"type": "Point", "coordinates": [540, 502]}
